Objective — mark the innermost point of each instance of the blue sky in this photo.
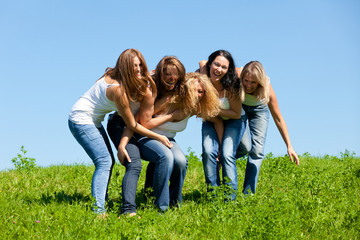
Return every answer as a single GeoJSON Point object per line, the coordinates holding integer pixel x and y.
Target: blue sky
{"type": "Point", "coordinates": [51, 52]}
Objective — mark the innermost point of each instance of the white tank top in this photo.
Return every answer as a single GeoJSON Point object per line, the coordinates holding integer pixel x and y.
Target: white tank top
{"type": "Point", "coordinates": [169, 129]}
{"type": "Point", "coordinates": [92, 107]}
{"type": "Point", "coordinates": [224, 104]}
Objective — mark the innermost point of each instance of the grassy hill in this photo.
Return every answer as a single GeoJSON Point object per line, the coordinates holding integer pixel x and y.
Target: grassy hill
{"type": "Point", "coordinates": [318, 200]}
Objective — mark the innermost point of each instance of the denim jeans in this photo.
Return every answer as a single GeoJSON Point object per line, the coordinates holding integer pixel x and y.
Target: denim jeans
{"type": "Point", "coordinates": [233, 131]}
{"type": "Point", "coordinates": [253, 143]}
{"type": "Point", "coordinates": [96, 144]}
{"type": "Point", "coordinates": [170, 164]}
{"type": "Point", "coordinates": [115, 128]}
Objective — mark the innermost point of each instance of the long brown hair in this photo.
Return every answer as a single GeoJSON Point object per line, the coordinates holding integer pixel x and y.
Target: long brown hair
{"type": "Point", "coordinates": [165, 62]}
{"type": "Point", "coordinates": [123, 72]}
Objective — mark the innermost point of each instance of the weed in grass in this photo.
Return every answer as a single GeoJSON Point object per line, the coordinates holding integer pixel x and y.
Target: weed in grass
{"type": "Point", "coordinates": [22, 161]}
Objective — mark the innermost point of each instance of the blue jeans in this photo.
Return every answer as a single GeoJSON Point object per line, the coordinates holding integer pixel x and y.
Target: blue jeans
{"type": "Point", "coordinates": [233, 131]}
{"type": "Point", "coordinates": [253, 143]}
{"type": "Point", "coordinates": [115, 128]}
{"type": "Point", "coordinates": [96, 144]}
{"type": "Point", "coordinates": [170, 164]}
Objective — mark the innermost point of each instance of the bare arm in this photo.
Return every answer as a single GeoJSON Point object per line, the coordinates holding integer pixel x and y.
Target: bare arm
{"type": "Point", "coordinates": [238, 71]}
{"type": "Point", "coordinates": [125, 138]}
{"type": "Point", "coordinates": [123, 106]}
{"type": "Point", "coordinates": [145, 111]}
{"type": "Point", "coordinates": [161, 103]}
{"type": "Point", "coordinates": [202, 65]}
{"type": "Point", "coordinates": [219, 128]}
{"type": "Point", "coordinates": [281, 125]}
{"type": "Point", "coordinates": [235, 109]}
{"type": "Point", "coordinates": [143, 116]}
{"type": "Point", "coordinates": [149, 122]}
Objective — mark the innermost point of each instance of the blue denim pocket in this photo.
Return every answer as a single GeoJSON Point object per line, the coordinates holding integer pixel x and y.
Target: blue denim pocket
{"type": "Point", "coordinates": [90, 131]}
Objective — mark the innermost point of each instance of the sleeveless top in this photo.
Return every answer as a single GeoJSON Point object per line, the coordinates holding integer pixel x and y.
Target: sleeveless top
{"type": "Point", "coordinates": [92, 107]}
{"type": "Point", "coordinates": [224, 104]}
{"type": "Point", "coordinates": [169, 129]}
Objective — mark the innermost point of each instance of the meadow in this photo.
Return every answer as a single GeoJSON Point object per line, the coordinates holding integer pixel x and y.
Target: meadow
{"type": "Point", "coordinates": [320, 199]}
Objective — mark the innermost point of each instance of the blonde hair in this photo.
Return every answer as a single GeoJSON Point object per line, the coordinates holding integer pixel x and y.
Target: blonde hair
{"type": "Point", "coordinates": [208, 106]}
{"type": "Point", "coordinates": [123, 72]}
{"type": "Point", "coordinates": [257, 71]}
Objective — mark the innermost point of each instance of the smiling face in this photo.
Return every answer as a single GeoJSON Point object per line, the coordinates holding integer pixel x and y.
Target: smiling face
{"type": "Point", "coordinates": [218, 68]}
{"type": "Point", "coordinates": [170, 77]}
{"type": "Point", "coordinates": [137, 67]}
{"type": "Point", "coordinates": [250, 83]}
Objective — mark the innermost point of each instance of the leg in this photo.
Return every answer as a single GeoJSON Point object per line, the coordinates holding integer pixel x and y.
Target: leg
{"type": "Point", "coordinates": [178, 174]}
{"type": "Point", "coordinates": [92, 139]}
{"type": "Point", "coordinates": [210, 151]}
{"type": "Point", "coordinates": [130, 180]}
{"type": "Point", "coordinates": [108, 145]}
{"type": "Point", "coordinates": [258, 123]}
{"type": "Point", "coordinates": [154, 151]}
{"type": "Point", "coordinates": [233, 131]}
{"type": "Point", "coordinates": [149, 176]}
{"type": "Point", "coordinates": [245, 143]}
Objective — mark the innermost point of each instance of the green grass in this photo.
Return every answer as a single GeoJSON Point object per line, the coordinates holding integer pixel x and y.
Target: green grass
{"type": "Point", "coordinates": [318, 200]}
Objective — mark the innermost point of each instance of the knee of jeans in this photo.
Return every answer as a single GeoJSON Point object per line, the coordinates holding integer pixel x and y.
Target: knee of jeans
{"type": "Point", "coordinates": [209, 153]}
{"type": "Point", "coordinates": [134, 166]}
{"type": "Point", "coordinates": [241, 152]}
{"type": "Point", "coordinates": [104, 162]}
{"type": "Point", "coordinates": [256, 153]}
{"type": "Point", "coordinates": [244, 148]}
{"type": "Point", "coordinates": [166, 157]}
{"type": "Point", "coordinates": [181, 163]}
{"type": "Point", "coordinates": [209, 146]}
{"type": "Point", "coordinates": [227, 156]}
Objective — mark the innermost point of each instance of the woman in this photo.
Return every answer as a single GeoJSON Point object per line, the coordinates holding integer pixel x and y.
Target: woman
{"type": "Point", "coordinates": [220, 68]}
{"type": "Point", "coordinates": [200, 99]}
{"type": "Point", "coordinates": [120, 89]}
{"type": "Point", "coordinates": [259, 98]}
{"type": "Point", "coordinates": [127, 144]}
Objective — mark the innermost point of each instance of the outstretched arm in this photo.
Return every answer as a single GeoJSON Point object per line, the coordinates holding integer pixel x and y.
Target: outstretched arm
{"type": "Point", "coordinates": [281, 125]}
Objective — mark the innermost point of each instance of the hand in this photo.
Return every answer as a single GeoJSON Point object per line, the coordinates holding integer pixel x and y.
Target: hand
{"type": "Point", "coordinates": [164, 140]}
{"type": "Point", "coordinates": [293, 156]}
{"type": "Point", "coordinates": [218, 157]}
{"type": "Point", "coordinates": [122, 154]}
